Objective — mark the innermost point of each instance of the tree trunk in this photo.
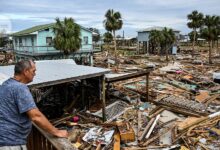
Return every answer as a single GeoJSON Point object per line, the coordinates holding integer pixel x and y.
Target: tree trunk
{"type": "Point", "coordinates": [210, 52]}
{"type": "Point", "coordinates": [213, 44]}
{"type": "Point", "coordinates": [158, 50]}
{"type": "Point", "coordinates": [161, 50]}
{"type": "Point", "coordinates": [194, 39]}
{"type": "Point", "coordinates": [218, 50]}
{"type": "Point", "coordinates": [108, 51]}
{"type": "Point", "coordinates": [153, 48]}
{"type": "Point", "coordinates": [115, 48]}
{"type": "Point", "coordinates": [166, 53]}
{"type": "Point", "coordinates": [217, 43]}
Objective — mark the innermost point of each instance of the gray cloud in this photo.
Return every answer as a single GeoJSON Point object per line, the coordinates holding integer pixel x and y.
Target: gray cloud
{"type": "Point", "coordinates": [136, 14]}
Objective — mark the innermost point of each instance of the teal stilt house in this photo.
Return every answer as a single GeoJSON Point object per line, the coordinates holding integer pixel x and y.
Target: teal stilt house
{"type": "Point", "coordinates": [37, 43]}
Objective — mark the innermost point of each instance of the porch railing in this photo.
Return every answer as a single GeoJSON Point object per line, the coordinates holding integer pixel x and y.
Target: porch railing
{"type": "Point", "coordinates": [35, 49]}
{"type": "Point", "coordinates": [37, 141]}
{"type": "Point", "coordinates": [41, 140]}
{"type": "Point", "coordinates": [51, 49]}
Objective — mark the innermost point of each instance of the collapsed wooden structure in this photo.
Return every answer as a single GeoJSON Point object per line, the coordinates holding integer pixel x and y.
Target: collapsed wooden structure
{"type": "Point", "coordinates": [56, 81]}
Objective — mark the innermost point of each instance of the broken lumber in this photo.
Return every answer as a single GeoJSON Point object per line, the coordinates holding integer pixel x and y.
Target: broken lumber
{"type": "Point", "coordinates": [146, 129]}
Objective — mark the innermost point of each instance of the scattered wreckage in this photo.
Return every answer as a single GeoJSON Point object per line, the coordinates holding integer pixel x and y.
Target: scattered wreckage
{"type": "Point", "coordinates": [145, 103]}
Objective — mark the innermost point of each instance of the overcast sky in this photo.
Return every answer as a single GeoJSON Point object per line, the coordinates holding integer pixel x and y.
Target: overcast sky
{"type": "Point", "coordinates": [16, 15]}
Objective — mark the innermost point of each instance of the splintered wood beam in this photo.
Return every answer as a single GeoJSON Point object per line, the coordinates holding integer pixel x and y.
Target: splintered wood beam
{"type": "Point", "coordinates": [146, 129]}
{"type": "Point", "coordinates": [158, 135]}
{"type": "Point", "coordinates": [212, 98]}
{"type": "Point", "coordinates": [139, 123]}
{"type": "Point", "coordinates": [147, 87]}
{"type": "Point", "coordinates": [117, 141]}
{"type": "Point", "coordinates": [156, 113]}
{"type": "Point", "coordinates": [152, 127]}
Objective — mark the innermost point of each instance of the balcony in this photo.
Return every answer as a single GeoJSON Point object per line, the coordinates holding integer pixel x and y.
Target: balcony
{"type": "Point", "coordinates": [42, 50]}
{"type": "Point", "coordinates": [35, 50]}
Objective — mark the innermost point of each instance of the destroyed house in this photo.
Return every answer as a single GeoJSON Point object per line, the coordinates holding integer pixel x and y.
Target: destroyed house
{"type": "Point", "coordinates": [58, 85]}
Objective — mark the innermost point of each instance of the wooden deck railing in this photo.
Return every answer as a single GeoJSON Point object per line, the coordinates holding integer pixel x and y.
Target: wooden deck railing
{"type": "Point", "coordinates": [37, 141]}
{"type": "Point", "coordinates": [41, 140]}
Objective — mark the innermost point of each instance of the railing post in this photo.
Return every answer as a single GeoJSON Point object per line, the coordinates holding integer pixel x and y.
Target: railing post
{"type": "Point", "coordinates": [103, 98]}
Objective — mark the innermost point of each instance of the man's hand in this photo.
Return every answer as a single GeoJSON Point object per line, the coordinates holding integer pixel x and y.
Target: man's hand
{"type": "Point", "coordinates": [61, 133]}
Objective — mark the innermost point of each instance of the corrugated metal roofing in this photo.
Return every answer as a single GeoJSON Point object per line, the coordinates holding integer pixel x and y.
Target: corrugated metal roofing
{"type": "Point", "coordinates": [53, 72]}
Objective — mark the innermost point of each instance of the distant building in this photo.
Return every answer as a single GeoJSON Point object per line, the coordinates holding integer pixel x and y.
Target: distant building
{"type": "Point", "coordinates": [5, 42]}
{"type": "Point", "coordinates": [37, 43]}
{"type": "Point", "coordinates": [143, 37]}
{"type": "Point", "coordinates": [184, 38]}
{"type": "Point", "coordinates": [126, 41]}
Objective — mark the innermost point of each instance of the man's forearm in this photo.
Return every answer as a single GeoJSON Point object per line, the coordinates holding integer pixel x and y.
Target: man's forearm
{"type": "Point", "coordinates": [43, 123]}
{"type": "Point", "coordinates": [40, 120]}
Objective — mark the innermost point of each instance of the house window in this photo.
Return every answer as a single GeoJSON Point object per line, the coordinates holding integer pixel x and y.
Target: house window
{"type": "Point", "coordinates": [32, 41]}
{"type": "Point", "coordinates": [20, 41]}
{"type": "Point", "coordinates": [49, 41]}
{"type": "Point", "coordinates": [85, 40]}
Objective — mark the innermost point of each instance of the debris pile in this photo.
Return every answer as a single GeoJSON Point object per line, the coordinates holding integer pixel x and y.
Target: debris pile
{"type": "Point", "coordinates": [182, 111]}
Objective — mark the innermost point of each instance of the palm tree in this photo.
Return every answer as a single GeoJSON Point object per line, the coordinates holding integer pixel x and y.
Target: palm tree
{"type": "Point", "coordinates": [112, 23]}
{"type": "Point", "coordinates": [169, 39]}
{"type": "Point", "coordinates": [210, 32]}
{"type": "Point", "coordinates": [107, 37]}
{"type": "Point", "coordinates": [216, 25]}
{"type": "Point", "coordinates": [196, 21]}
{"type": "Point", "coordinates": [155, 38]}
{"type": "Point", "coordinates": [67, 35]}
{"type": "Point", "coordinates": [191, 36]}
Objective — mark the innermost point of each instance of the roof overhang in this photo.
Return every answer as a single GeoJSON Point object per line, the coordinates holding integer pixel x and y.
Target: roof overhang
{"type": "Point", "coordinates": [53, 72]}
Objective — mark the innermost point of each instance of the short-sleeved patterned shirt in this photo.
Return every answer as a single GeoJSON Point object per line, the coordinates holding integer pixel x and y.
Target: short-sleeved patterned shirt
{"type": "Point", "coordinates": [15, 100]}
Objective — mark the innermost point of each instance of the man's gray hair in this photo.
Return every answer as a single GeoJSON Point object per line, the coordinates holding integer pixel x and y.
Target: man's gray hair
{"type": "Point", "coordinates": [21, 66]}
